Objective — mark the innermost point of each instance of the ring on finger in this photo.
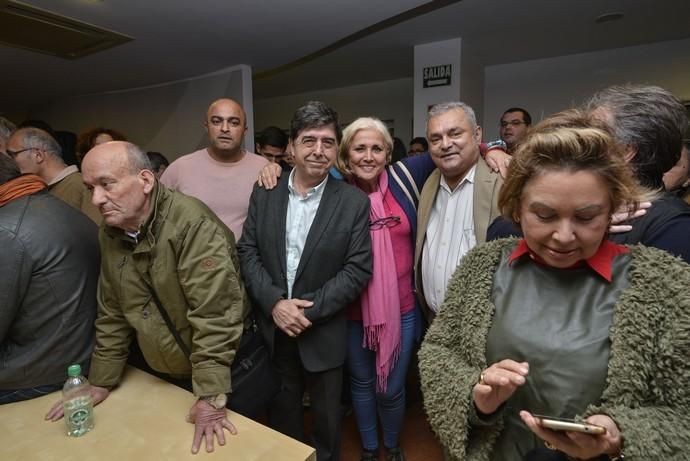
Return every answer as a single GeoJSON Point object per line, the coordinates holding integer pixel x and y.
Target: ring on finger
{"type": "Point", "coordinates": [481, 379]}
{"type": "Point", "coordinates": [550, 446]}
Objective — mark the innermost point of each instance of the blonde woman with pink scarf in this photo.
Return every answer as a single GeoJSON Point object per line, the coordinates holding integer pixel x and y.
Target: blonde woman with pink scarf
{"type": "Point", "coordinates": [385, 322]}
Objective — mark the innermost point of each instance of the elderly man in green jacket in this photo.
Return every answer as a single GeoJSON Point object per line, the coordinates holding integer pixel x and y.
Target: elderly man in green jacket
{"type": "Point", "coordinates": [156, 241]}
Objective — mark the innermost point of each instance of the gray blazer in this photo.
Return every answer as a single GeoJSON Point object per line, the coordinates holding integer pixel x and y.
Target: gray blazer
{"type": "Point", "coordinates": [335, 265]}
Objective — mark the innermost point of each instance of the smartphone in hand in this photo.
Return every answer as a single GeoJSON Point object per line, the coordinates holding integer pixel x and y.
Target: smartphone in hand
{"type": "Point", "coordinates": [569, 425]}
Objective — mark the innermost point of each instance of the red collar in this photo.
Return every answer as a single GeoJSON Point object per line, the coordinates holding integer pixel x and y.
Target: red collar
{"type": "Point", "coordinates": [601, 262]}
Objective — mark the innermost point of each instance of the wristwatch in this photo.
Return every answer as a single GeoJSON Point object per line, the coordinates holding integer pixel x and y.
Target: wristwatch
{"type": "Point", "coordinates": [498, 144]}
{"type": "Point", "coordinates": [216, 401]}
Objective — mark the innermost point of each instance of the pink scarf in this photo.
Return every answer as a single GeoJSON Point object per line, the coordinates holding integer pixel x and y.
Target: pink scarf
{"type": "Point", "coordinates": [380, 301]}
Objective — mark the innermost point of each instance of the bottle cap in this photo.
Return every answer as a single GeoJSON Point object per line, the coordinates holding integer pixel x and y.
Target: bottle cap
{"type": "Point", "coordinates": [74, 370]}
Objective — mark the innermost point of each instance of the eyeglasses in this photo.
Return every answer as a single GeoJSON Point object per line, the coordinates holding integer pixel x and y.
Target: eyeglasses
{"type": "Point", "coordinates": [311, 141]}
{"type": "Point", "coordinates": [513, 123]}
{"type": "Point", "coordinates": [14, 153]}
{"type": "Point", "coordinates": [388, 221]}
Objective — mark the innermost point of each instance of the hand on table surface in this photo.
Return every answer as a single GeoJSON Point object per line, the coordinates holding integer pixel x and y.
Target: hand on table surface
{"type": "Point", "coordinates": [208, 421]}
{"type": "Point", "coordinates": [98, 394]}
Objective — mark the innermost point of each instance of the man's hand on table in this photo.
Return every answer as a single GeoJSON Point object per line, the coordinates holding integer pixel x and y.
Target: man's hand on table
{"type": "Point", "coordinates": [98, 394]}
{"type": "Point", "coordinates": [207, 421]}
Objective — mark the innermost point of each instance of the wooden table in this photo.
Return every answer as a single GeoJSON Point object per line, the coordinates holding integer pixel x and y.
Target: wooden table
{"type": "Point", "coordinates": [142, 420]}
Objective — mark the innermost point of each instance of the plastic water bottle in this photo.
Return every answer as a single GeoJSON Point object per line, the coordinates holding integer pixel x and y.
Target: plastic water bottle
{"type": "Point", "coordinates": [76, 398]}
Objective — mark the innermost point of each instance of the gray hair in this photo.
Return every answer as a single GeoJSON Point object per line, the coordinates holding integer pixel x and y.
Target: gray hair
{"type": "Point", "coordinates": [648, 118]}
{"type": "Point", "coordinates": [39, 139]}
{"type": "Point", "coordinates": [137, 158]}
{"type": "Point", "coordinates": [443, 107]}
{"type": "Point", "coordinates": [6, 128]}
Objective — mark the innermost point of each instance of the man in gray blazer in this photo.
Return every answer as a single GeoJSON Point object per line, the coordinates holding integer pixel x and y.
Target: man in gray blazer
{"type": "Point", "coordinates": [305, 254]}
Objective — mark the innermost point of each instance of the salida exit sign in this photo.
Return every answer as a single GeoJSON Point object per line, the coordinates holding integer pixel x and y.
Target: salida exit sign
{"type": "Point", "coordinates": [437, 76]}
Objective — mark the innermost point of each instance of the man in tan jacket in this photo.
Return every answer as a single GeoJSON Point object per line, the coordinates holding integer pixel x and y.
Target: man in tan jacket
{"type": "Point", "coordinates": [457, 203]}
{"type": "Point", "coordinates": [36, 151]}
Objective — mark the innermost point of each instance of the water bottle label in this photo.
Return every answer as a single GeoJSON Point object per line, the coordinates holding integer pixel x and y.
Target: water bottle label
{"type": "Point", "coordinates": [78, 417]}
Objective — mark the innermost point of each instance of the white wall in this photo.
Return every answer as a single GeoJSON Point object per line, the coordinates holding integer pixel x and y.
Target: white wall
{"type": "Point", "coordinates": [388, 100]}
{"type": "Point", "coordinates": [471, 80]}
{"type": "Point", "coordinates": [429, 55]}
{"type": "Point", "coordinates": [167, 118]}
{"type": "Point", "coordinates": [542, 86]}
{"type": "Point", "coordinates": [545, 86]}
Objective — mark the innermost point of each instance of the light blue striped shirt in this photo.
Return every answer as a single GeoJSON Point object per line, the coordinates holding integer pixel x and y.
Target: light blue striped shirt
{"type": "Point", "coordinates": [300, 214]}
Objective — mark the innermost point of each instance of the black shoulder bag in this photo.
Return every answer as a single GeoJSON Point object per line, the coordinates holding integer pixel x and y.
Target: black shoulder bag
{"type": "Point", "coordinates": [254, 381]}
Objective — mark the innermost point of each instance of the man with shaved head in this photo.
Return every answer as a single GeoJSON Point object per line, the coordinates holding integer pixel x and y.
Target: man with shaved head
{"type": "Point", "coordinates": [163, 251]}
{"type": "Point", "coordinates": [221, 175]}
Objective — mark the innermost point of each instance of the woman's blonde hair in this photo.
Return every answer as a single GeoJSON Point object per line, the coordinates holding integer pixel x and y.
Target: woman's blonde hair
{"type": "Point", "coordinates": [570, 141]}
{"type": "Point", "coordinates": [363, 123]}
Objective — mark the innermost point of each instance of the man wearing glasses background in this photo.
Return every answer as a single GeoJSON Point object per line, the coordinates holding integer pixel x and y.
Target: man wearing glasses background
{"type": "Point", "coordinates": [305, 255]}
{"type": "Point", "coordinates": [36, 152]}
{"type": "Point", "coordinates": [514, 125]}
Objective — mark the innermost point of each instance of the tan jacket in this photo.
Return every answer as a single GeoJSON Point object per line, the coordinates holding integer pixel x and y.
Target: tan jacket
{"type": "Point", "coordinates": [487, 184]}
{"type": "Point", "coordinates": [71, 189]}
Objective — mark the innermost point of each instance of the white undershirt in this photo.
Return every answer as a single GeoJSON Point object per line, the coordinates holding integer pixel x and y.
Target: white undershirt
{"type": "Point", "coordinates": [300, 216]}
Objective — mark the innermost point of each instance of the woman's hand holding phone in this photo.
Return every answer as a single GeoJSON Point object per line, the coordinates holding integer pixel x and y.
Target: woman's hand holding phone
{"type": "Point", "coordinates": [580, 445]}
{"type": "Point", "coordinates": [497, 383]}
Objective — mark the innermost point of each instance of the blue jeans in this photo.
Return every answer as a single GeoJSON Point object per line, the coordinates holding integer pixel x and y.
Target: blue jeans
{"type": "Point", "coordinates": [366, 402]}
{"type": "Point", "coordinates": [17, 395]}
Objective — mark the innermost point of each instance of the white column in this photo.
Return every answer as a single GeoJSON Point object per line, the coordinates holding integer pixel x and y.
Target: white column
{"type": "Point", "coordinates": [431, 82]}
{"type": "Point", "coordinates": [446, 71]}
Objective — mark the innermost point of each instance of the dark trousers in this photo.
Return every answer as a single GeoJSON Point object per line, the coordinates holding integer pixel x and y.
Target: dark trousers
{"type": "Point", "coordinates": [18, 395]}
{"type": "Point", "coordinates": [286, 414]}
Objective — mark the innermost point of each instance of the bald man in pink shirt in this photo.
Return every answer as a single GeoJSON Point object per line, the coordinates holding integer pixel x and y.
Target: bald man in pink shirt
{"type": "Point", "coordinates": [223, 174]}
